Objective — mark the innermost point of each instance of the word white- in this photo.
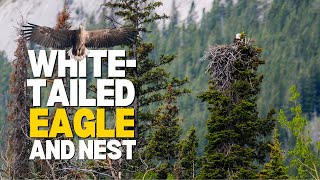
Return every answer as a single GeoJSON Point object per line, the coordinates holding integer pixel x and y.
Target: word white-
{"type": "Point", "coordinates": [110, 92]}
{"type": "Point", "coordinates": [93, 149]}
{"type": "Point", "coordinates": [47, 65]}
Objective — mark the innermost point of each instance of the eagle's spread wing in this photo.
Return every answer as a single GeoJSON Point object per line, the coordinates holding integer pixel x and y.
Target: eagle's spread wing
{"type": "Point", "coordinates": [48, 37]}
{"type": "Point", "coordinates": [110, 37]}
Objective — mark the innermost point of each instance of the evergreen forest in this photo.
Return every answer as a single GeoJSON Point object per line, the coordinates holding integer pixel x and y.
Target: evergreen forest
{"type": "Point", "coordinates": [259, 118]}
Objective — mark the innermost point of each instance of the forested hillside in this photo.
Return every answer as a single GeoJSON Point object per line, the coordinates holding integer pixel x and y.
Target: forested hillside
{"type": "Point", "coordinates": [217, 130]}
{"type": "Point", "coordinates": [288, 32]}
{"type": "Point", "coordinates": [4, 85]}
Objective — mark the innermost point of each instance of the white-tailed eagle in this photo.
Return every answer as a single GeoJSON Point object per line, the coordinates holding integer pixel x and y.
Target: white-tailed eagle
{"type": "Point", "coordinates": [237, 38]}
{"type": "Point", "coordinates": [78, 40]}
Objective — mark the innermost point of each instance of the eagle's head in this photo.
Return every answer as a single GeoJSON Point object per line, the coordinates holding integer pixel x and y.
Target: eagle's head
{"type": "Point", "coordinates": [238, 36]}
{"type": "Point", "coordinates": [81, 27]}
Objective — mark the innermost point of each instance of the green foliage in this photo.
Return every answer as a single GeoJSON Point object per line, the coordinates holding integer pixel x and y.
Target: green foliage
{"type": "Point", "coordinates": [162, 146]}
{"type": "Point", "coordinates": [150, 77]}
{"type": "Point", "coordinates": [289, 31]}
{"type": "Point", "coordinates": [236, 135]}
{"type": "Point", "coordinates": [187, 162]}
{"type": "Point", "coordinates": [145, 175]}
{"type": "Point", "coordinates": [305, 159]}
{"type": "Point", "coordinates": [5, 70]}
{"type": "Point", "coordinates": [275, 168]}
{"type": "Point", "coordinates": [170, 176]}
{"type": "Point", "coordinates": [157, 132]}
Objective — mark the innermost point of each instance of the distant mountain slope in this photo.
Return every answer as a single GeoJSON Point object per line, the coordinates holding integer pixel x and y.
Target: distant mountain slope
{"type": "Point", "coordinates": [44, 12]}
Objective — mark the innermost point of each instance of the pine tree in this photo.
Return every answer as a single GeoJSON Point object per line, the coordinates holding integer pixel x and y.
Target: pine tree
{"type": "Point", "coordinates": [235, 132]}
{"type": "Point", "coordinates": [191, 14]}
{"type": "Point", "coordinates": [310, 89]}
{"type": "Point", "coordinates": [170, 35]}
{"type": "Point", "coordinates": [162, 146]}
{"type": "Point", "coordinates": [150, 77]}
{"type": "Point", "coordinates": [187, 161]}
{"type": "Point", "coordinates": [275, 168]}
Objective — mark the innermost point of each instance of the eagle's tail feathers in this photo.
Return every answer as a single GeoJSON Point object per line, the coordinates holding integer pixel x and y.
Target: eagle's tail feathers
{"type": "Point", "coordinates": [78, 57]}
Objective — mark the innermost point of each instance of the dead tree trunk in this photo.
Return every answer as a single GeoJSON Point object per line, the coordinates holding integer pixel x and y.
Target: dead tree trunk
{"type": "Point", "coordinates": [19, 144]}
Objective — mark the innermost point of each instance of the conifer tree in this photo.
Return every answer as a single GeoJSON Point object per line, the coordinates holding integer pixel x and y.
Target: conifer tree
{"type": "Point", "coordinates": [235, 132]}
{"type": "Point", "coordinates": [150, 77]}
{"type": "Point", "coordinates": [162, 146]}
{"type": "Point", "coordinates": [172, 32]}
{"type": "Point", "coordinates": [191, 14]}
{"type": "Point", "coordinates": [187, 161]}
{"type": "Point", "coordinates": [275, 168]}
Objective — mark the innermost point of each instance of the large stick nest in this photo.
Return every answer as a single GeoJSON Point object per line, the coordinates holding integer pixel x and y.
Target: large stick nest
{"type": "Point", "coordinates": [224, 61]}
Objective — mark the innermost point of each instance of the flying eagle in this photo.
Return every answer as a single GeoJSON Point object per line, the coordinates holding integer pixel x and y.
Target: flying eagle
{"type": "Point", "coordinates": [78, 40]}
